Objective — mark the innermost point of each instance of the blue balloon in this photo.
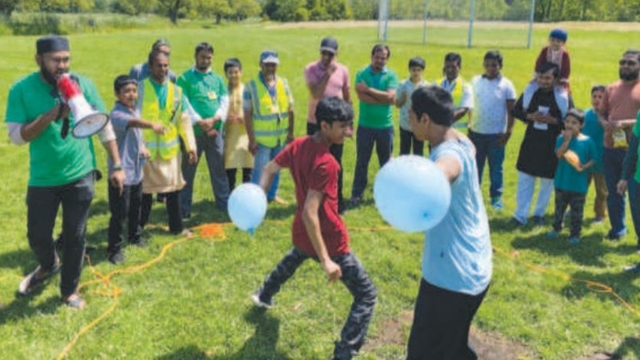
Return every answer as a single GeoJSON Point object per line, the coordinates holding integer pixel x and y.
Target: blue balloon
{"type": "Point", "coordinates": [412, 193]}
{"type": "Point", "coordinates": [247, 206]}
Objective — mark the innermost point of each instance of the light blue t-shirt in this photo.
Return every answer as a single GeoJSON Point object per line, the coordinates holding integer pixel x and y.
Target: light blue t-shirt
{"type": "Point", "coordinates": [457, 251]}
{"type": "Point", "coordinates": [567, 178]}
{"type": "Point", "coordinates": [593, 130]}
{"type": "Point", "coordinates": [407, 87]}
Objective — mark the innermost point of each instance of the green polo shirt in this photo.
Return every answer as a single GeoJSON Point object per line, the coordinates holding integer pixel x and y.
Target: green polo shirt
{"type": "Point", "coordinates": [53, 161]}
{"type": "Point", "coordinates": [376, 116]}
{"type": "Point", "coordinates": [204, 91]}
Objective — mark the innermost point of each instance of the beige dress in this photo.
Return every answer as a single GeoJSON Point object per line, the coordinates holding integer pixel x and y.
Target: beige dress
{"type": "Point", "coordinates": [236, 140]}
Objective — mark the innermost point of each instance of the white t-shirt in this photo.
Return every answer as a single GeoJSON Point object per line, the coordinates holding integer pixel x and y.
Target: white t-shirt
{"type": "Point", "coordinates": [490, 99]}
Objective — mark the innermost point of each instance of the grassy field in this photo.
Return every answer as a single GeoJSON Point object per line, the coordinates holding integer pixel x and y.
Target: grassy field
{"type": "Point", "coordinates": [189, 299]}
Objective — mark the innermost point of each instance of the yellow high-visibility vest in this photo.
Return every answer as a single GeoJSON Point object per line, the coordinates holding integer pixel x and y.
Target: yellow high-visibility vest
{"type": "Point", "coordinates": [270, 115]}
{"type": "Point", "coordinates": [164, 146]}
{"type": "Point", "coordinates": [456, 94]}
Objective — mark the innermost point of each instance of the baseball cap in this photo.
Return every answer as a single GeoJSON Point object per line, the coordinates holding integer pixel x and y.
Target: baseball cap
{"type": "Point", "coordinates": [269, 57]}
{"type": "Point", "coordinates": [329, 44]}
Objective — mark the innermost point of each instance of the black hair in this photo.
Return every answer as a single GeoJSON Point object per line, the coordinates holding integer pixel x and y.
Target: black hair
{"type": "Point", "coordinates": [548, 66]}
{"type": "Point", "coordinates": [122, 81]}
{"type": "Point", "coordinates": [153, 55]}
{"type": "Point", "coordinates": [333, 109]}
{"type": "Point", "coordinates": [633, 52]}
{"type": "Point", "coordinates": [204, 46]}
{"type": "Point", "coordinates": [452, 56]}
{"type": "Point", "coordinates": [435, 102]}
{"type": "Point", "coordinates": [417, 61]}
{"type": "Point", "coordinates": [494, 55]}
{"type": "Point", "coordinates": [380, 47]}
{"type": "Point", "coordinates": [231, 63]}
{"type": "Point", "coordinates": [598, 88]}
{"type": "Point", "coordinates": [576, 113]}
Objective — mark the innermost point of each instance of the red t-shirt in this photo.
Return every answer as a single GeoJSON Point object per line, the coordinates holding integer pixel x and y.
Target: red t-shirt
{"type": "Point", "coordinates": [314, 168]}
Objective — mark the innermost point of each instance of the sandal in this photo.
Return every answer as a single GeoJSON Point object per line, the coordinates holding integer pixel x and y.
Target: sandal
{"type": "Point", "coordinates": [74, 301]}
{"type": "Point", "coordinates": [35, 279]}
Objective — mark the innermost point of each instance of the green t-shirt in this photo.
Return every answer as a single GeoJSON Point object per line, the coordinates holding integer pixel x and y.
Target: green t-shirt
{"type": "Point", "coordinates": [376, 116]}
{"type": "Point", "coordinates": [53, 161]}
{"type": "Point", "coordinates": [204, 91]}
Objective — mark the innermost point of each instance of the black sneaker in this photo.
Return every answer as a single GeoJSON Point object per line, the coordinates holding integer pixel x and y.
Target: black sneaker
{"type": "Point", "coordinates": [116, 257]}
{"type": "Point", "coordinates": [537, 221]}
{"type": "Point", "coordinates": [138, 243]}
{"type": "Point", "coordinates": [257, 301]}
{"type": "Point", "coordinates": [633, 268]}
{"type": "Point", "coordinates": [614, 237]}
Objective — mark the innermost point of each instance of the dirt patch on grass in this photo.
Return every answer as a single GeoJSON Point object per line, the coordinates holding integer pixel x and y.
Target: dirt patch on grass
{"type": "Point", "coordinates": [488, 345]}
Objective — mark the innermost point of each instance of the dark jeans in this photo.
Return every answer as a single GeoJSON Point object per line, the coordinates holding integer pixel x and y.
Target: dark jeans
{"type": "Point", "coordinates": [124, 208]}
{"type": "Point", "coordinates": [407, 140]}
{"type": "Point", "coordinates": [173, 211]}
{"type": "Point", "coordinates": [335, 150]}
{"type": "Point", "coordinates": [576, 202]}
{"type": "Point", "coordinates": [441, 323]}
{"type": "Point", "coordinates": [354, 277]}
{"type": "Point", "coordinates": [231, 177]}
{"type": "Point", "coordinates": [42, 209]}
{"type": "Point", "coordinates": [613, 159]}
{"type": "Point", "coordinates": [365, 139]}
{"type": "Point", "coordinates": [212, 147]}
{"type": "Point", "coordinates": [487, 148]}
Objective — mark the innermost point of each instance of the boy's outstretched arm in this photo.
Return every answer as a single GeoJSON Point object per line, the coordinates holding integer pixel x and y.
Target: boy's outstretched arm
{"type": "Point", "coordinates": [270, 170]}
{"type": "Point", "coordinates": [312, 224]}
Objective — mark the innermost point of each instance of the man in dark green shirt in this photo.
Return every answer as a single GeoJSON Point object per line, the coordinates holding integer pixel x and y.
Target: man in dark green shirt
{"type": "Point", "coordinates": [207, 94]}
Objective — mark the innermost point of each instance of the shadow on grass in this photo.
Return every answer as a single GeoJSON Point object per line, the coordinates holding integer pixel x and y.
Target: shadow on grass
{"type": "Point", "coordinates": [630, 346]}
{"type": "Point", "coordinates": [20, 258]}
{"type": "Point", "coordinates": [262, 345]}
{"type": "Point", "coordinates": [22, 308]}
{"type": "Point", "coordinates": [588, 252]}
{"type": "Point", "coordinates": [98, 207]}
{"type": "Point", "coordinates": [602, 285]}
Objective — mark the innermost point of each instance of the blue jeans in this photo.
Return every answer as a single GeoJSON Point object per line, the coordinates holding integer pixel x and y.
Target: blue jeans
{"type": "Point", "coordinates": [212, 147]}
{"type": "Point", "coordinates": [260, 160]}
{"type": "Point", "coordinates": [365, 139]}
{"type": "Point", "coordinates": [613, 159]}
{"type": "Point", "coordinates": [487, 148]}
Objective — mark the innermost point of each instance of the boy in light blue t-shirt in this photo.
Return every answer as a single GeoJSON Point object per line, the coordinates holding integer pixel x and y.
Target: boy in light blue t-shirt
{"type": "Point", "coordinates": [403, 102]}
{"type": "Point", "coordinates": [576, 152]}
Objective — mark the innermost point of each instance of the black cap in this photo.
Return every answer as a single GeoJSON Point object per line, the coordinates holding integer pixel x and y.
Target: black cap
{"type": "Point", "coordinates": [52, 43]}
{"type": "Point", "coordinates": [329, 44]}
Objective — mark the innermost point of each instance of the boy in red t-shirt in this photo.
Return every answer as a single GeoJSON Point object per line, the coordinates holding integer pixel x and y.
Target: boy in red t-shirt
{"type": "Point", "coordinates": [318, 232]}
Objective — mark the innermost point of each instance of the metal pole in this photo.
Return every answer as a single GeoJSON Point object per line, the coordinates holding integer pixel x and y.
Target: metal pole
{"type": "Point", "coordinates": [471, 18]}
{"type": "Point", "coordinates": [386, 21]}
{"type": "Point", "coordinates": [424, 22]}
{"type": "Point", "coordinates": [533, 9]}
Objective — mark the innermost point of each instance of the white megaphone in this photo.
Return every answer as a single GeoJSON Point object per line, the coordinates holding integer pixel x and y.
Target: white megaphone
{"type": "Point", "coordinates": [86, 120]}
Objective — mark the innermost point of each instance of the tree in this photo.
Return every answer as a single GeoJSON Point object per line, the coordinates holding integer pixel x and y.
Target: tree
{"type": "Point", "coordinates": [133, 7]}
{"type": "Point", "coordinates": [209, 8]}
{"type": "Point", "coordinates": [7, 7]}
{"type": "Point", "coordinates": [286, 10]}
{"type": "Point", "coordinates": [243, 9]}
{"type": "Point", "coordinates": [173, 8]}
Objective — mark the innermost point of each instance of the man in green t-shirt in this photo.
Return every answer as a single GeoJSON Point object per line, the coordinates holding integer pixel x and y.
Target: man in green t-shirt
{"type": "Point", "coordinates": [376, 89]}
{"type": "Point", "coordinates": [207, 93]}
{"type": "Point", "coordinates": [61, 168]}
{"type": "Point", "coordinates": [630, 180]}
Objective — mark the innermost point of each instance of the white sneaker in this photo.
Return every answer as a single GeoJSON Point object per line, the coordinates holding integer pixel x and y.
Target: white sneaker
{"type": "Point", "coordinates": [255, 298]}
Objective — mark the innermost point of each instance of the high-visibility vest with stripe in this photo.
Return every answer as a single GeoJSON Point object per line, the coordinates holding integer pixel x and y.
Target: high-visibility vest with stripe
{"type": "Point", "coordinates": [270, 114]}
{"type": "Point", "coordinates": [456, 95]}
{"type": "Point", "coordinates": [165, 146]}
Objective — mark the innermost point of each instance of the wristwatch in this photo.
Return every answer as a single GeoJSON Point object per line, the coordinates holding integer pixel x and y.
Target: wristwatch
{"type": "Point", "coordinates": [117, 167]}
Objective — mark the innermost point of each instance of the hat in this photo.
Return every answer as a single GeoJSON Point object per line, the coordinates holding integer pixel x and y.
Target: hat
{"type": "Point", "coordinates": [269, 57]}
{"type": "Point", "coordinates": [559, 34]}
{"type": "Point", "coordinates": [329, 44]}
{"type": "Point", "coordinates": [51, 43]}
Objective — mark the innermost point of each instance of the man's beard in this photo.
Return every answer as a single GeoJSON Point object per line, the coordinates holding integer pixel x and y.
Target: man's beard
{"type": "Point", "coordinates": [629, 76]}
{"type": "Point", "coordinates": [48, 77]}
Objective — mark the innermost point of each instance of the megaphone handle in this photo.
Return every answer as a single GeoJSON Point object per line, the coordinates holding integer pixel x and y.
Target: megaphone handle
{"type": "Point", "coordinates": [64, 131]}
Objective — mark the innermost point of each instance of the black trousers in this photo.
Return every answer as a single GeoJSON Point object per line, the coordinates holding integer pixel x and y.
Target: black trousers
{"type": "Point", "coordinates": [407, 140]}
{"type": "Point", "coordinates": [335, 150]}
{"type": "Point", "coordinates": [441, 323]}
{"type": "Point", "coordinates": [231, 176]}
{"type": "Point", "coordinates": [42, 208]}
{"type": "Point", "coordinates": [124, 208]}
{"type": "Point", "coordinates": [576, 202]}
{"type": "Point", "coordinates": [173, 211]}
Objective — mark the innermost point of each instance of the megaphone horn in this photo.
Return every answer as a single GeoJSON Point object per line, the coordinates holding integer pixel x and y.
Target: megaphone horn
{"type": "Point", "coordinates": [87, 121]}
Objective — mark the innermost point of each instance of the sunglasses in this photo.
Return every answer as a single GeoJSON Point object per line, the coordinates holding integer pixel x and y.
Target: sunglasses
{"type": "Point", "coordinates": [628, 62]}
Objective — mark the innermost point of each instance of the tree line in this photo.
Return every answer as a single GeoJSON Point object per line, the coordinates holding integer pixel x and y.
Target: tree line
{"type": "Point", "coordinates": [318, 10]}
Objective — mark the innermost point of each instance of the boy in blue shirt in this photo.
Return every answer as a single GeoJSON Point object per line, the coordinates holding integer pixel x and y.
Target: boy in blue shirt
{"type": "Point", "coordinates": [576, 152]}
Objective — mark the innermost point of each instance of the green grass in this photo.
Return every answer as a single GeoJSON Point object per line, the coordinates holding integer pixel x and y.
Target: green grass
{"type": "Point", "coordinates": [193, 304]}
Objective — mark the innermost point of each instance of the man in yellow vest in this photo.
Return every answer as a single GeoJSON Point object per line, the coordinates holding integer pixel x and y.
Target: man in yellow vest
{"type": "Point", "coordinates": [459, 89]}
{"type": "Point", "coordinates": [268, 114]}
{"type": "Point", "coordinates": [161, 101]}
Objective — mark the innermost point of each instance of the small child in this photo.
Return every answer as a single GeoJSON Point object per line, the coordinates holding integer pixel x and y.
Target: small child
{"type": "Point", "coordinates": [556, 53]}
{"type": "Point", "coordinates": [576, 152]}
{"type": "Point", "coordinates": [593, 130]}
{"type": "Point", "coordinates": [236, 141]}
{"type": "Point", "coordinates": [403, 101]}
{"type": "Point", "coordinates": [318, 231]}
{"type": "Point", "coordinates": [125, 206]}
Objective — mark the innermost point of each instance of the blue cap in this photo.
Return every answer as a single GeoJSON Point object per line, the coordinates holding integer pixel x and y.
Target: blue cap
{"type": "Point", "coordinates": [559, 34]}
{"type": "Point", "coordinates": [269, 57]}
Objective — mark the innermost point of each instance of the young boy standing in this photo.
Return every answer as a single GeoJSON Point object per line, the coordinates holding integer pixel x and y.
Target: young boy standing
{"type": "Point", "coordinates": [576, 152]}
{"type": "Point", "coordinates": [593, 130]}
{"type": "Point", "coordinates": [318, 232]}
{"type": "Point", "coordinates": [403, 102]}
